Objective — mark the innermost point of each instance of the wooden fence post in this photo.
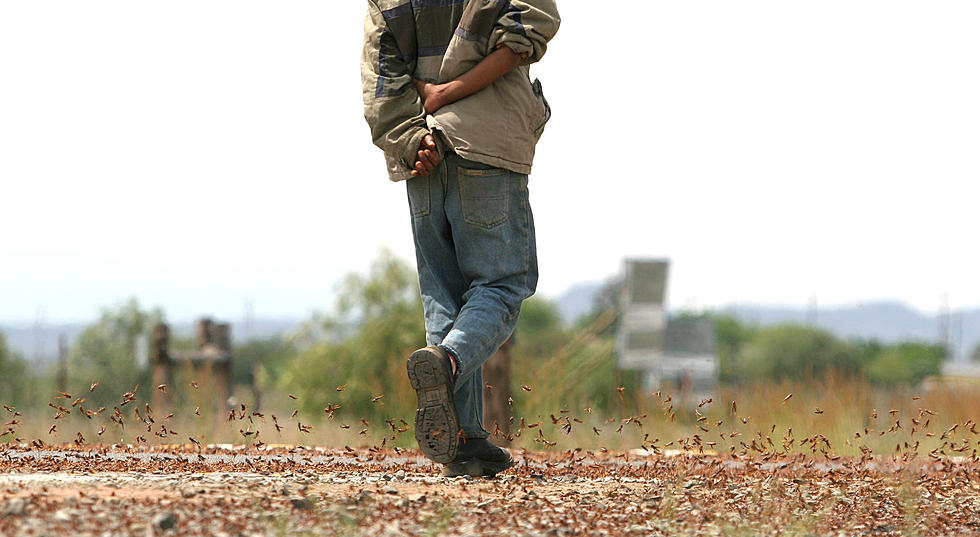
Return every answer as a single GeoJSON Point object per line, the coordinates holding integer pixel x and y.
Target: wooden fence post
{"type": "Point", "coordinates": [496, 409]}
{"type": "Point", "coordinates": [222, 370]}
{"type": "Point", "coordinates": [160, 362]}
{"type": "Point", "coordinates": [205, 332]}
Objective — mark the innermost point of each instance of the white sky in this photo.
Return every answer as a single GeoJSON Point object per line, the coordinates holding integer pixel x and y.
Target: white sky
{"type": "Point", "coordinates": [198, 154]}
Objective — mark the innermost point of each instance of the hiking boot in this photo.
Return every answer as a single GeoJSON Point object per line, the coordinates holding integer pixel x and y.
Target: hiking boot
{"type": "Point", "coordinates": [478, 457]}
{"type": "Point", "coordinates": [436, 422]}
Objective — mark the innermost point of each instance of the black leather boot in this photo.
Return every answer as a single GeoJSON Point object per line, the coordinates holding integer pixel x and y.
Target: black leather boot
{"type": "Point", "coordinates": [478, 457]}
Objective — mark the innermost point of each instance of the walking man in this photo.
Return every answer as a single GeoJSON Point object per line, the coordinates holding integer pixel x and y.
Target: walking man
{"type": "Point", "coordinates": [449, 99]}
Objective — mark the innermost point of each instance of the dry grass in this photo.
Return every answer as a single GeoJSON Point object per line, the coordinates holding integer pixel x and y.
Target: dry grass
{"type": "Point", "coordinates": [832, 416]}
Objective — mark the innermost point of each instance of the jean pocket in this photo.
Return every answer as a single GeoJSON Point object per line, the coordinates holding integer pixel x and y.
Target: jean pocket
{"type": "Point", "coordinates": [418, 196]}
{"type": "Point", "coordinates": [484, 194]}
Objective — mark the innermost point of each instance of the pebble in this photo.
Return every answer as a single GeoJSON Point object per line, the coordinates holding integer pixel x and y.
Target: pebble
{"type": "Point", "coordinates": [13, 507]}
{"type": "Point", "coordinates": [300, 503]}
{"type": "Point", "coordinates": [165, 520]}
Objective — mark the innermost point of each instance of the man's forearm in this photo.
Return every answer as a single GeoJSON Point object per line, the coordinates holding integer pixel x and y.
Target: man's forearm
{"type": "Point", "coordinates": [489, 70]}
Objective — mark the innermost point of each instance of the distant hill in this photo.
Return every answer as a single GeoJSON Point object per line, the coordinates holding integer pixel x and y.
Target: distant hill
{"type": "Point", "coordinates": [888, 322]}
{"type": "Point", "coordinates": [578, 300]}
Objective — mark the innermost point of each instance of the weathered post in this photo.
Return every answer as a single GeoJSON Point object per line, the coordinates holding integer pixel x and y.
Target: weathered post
{"type": "Point", "coordinates": [62, 378]}
{"type": "Point", "coordinates": [496, 409]}
{"type": "Point", "coordinates": [221, 338]}
{"type": "Point", "coordinates": [160, 362]}
{"type": "Point", "coordinates": [205, 333]}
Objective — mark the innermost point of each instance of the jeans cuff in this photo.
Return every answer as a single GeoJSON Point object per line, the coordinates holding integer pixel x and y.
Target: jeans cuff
{"type": "Point", "coordinates": [454, 356]}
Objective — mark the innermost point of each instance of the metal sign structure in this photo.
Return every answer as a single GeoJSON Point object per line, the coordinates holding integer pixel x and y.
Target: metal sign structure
{"type": "Point", "coordinates": [689, 360]}
{"type": "Point", "coordinates": [680, 351]}
{"type": "Point", "coordinates": [643, 319]}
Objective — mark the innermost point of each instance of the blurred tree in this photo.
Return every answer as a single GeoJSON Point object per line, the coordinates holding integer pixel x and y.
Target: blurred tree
{"type": "Point", "coordinates": [539, 328]}
{"type": "Point", "coordinates": [731, 336]}
{"type": "Point", "coordinates": [975, 356]}
{"type": "Point", "coordinates": [906, 363]}
{"type": "Point", "coordinates": [571, 369]}
{"type": "Point", "coordinates": [793, 351]}
{"type": "Point", "coordinates": [362, 347]}
{"type": "Point", "coordinates": [13, 376]}
{"type": "Point", "coordinates": [606, 298]}
{"type": "Point", "coordinates": [868, 351]}
{"type": "Point", "coordinates": [262, 360]}
{"type": "Point", "coordinates": [106, 352]}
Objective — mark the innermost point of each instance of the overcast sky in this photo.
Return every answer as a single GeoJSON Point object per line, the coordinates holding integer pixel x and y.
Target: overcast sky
{"type": "Point", "coordinates": [201, 154]}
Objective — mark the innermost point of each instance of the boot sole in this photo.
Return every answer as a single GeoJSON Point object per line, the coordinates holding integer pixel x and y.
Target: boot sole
{"type": "Point", "coordinates": [436, 420]}
{"type": "Point", "coordinates": [476, 468]}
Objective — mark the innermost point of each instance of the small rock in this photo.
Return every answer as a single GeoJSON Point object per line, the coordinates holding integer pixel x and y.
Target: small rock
{"type": "Point", "coordinates": [364, 496]}
{"type": "Point", "coordinates": [400, 475]}
{"type": "Point", "coordinates": [165, 520]}
{"type": "Point", "coordinates": [300, 503]}
{"type": "Point", "coordinates": [393, 492]}
{"type": "Point", "coordinates": [62, 515]}
{"type": "Point", "coordinates": [187, 493]}
{"type": "Point", "coordinates": [13, 507]}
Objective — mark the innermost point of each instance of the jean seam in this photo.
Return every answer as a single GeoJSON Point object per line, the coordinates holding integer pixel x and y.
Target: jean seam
{"type": "Point", "coordinates": [417, 211]}
{"type": "Point", "coordinates": [525, 201]}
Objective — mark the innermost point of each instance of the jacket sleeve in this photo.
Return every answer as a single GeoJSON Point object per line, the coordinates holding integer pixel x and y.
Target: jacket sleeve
{"type": "Point", "coordinates": [392, 106]}
{"type": "Point", "coordinates": [526, 26]}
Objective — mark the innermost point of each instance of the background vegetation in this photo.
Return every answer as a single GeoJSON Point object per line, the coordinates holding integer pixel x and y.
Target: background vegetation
{"type": "Point", "coordinates": [342, 373]}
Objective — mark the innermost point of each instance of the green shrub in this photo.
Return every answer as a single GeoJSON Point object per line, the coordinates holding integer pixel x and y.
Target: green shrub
{"type": "Point", "coordinates": [362, 347]}
{"type": "Point", "coordinates": [793, 351]}
{"type": "Point", "coordinates": [13, 376]}
{"type": "Point", "coordinates": [907, 363]}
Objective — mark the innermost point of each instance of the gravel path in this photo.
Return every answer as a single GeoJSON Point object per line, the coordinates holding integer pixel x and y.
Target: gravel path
{"type": "Point", "coordinates": [227, 491]}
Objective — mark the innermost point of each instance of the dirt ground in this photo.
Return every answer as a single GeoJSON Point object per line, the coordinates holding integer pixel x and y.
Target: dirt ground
{"type": "Point", "coordinates": [228, 491]}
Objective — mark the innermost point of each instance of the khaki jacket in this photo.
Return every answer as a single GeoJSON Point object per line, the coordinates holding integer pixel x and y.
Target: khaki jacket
{"type": "Point", "coordinates": [436, 41]}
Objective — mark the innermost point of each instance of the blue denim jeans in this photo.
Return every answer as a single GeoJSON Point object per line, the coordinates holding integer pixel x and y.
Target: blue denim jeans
{"type": "Point", "coordinates": [477, 262]}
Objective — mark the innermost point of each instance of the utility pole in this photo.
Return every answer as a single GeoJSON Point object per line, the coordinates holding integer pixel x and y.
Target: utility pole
{"type": "Point", "coordinates": [944, 327]}
{"type": "Point", "coordinates": [811, 311]}
{"type": "Point", "coordinates": [62, 377]}
{"type": "Point", "coordinates": [957, 351]}
{"type": "Point", "coordinates": [249, 320]}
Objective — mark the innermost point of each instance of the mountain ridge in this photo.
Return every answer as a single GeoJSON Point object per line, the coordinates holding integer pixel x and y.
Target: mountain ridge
{"type": "Point", "coordinates": [887, 321]}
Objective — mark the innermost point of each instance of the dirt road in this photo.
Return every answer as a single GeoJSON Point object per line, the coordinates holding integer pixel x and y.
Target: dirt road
{"type": "Point", "coordinates": [225, 491]}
